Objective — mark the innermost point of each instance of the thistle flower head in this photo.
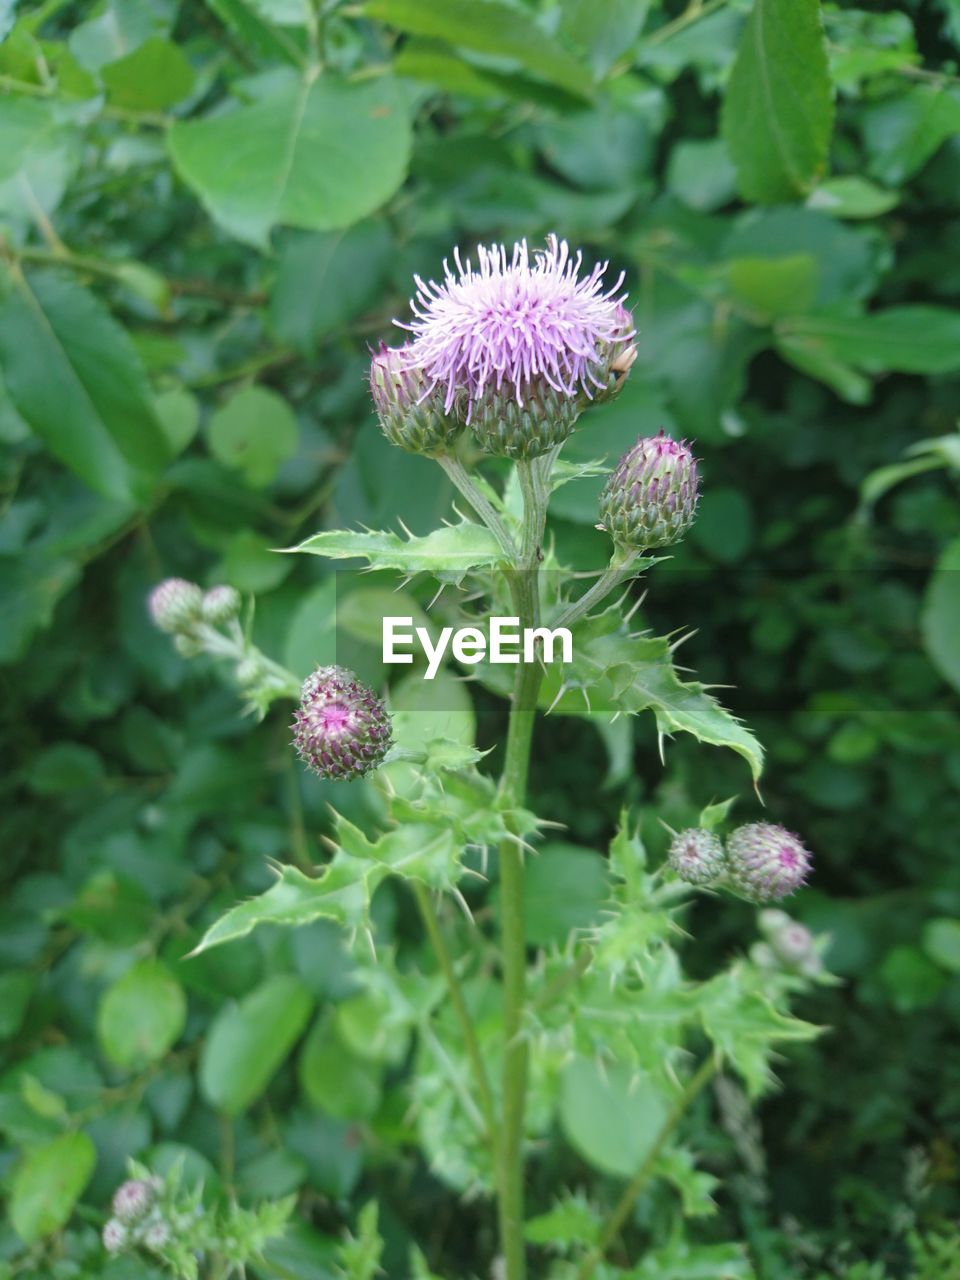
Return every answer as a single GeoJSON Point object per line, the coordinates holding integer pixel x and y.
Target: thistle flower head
{"type": "Point", "coordinates": [132, 1199]}
{"type": "Point", "coordinates": [342, 730]}
{"type": "Point", "coordinates": [650, 498]}
{"type": "Point", "coordinates": [516, 326]}
{"type": "Point", "coordinates": [175, 604]}
{"type": "Point", "coordinates": [411, 414]}
{"type": "Point", "coordinates": [220, 604]}
{"type": "Point", "coordinates": [766, 862]}
{"type": "Point", "coordinates": [157, 1236]}
{"type": "Point", "coordinates": [696, 855]}
{"type": "Point", "coordinates": [790, 941]}
{"type": "Point", "coordinates": [115, 1236]}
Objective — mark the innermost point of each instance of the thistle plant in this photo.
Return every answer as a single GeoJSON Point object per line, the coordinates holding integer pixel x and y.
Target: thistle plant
{"type": "Point", "coordinates": [504, 361]}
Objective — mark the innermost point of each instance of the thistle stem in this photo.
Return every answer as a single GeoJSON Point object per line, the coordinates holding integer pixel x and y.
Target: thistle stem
{"type": "Point", "coordinates": [619, 569]}
{"type": "Point", "coordinates": [631, 1193]}
{"type": "Point", "coordinates": [534, 479]}
{"type": "Point", "coordinates": [462, 480]}
{"type": "Point", "coordinates": [435, 934]}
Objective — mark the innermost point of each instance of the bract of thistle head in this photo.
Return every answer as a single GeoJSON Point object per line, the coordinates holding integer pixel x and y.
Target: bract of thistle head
{"type": "Point", "coordinates": [650, 498]}
{"type": "Point", "coordinates": [175, 605]}
{"type": "Point", "coordinates": [520, 331]}
{"type": "Point", "coordinates": [766, 862]}
{"type": "Point", "coordinates": [696, 855]}
{"type": "Point", "coordinates": [411, 413]}
{"type": "Point", "coordinates": [341, 730]}
{"type": "Point", "coordinates": [220, 604]}
{"type": "Point", "coordinates": [132, 1199]}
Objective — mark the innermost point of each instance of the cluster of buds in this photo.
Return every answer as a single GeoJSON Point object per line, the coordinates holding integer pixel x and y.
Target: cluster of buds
{"type": "Point", "coordinates": [787, 945]}
{"type": "Point", "coordinates": [140, 1217]}
{"type": "Point", "coordinates": [650, 498]}
{"type": "Point", "coordinates": [183, 610]}
{"type": "Point", "coordinates": [341, 729]}
{"type": "Point", "coordinates": [516, 349]}
{"type": "Point", "coordinates": [761, 862]}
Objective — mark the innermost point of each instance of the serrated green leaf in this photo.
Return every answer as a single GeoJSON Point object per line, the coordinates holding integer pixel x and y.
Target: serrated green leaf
{"type": "Point", "coordinates": [778, 110]}
{"type": "Point", "coordinates": [454, 549]}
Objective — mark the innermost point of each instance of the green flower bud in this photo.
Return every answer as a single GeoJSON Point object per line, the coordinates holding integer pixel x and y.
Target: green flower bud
{"type": "Point", "coordinates": [650, 499]}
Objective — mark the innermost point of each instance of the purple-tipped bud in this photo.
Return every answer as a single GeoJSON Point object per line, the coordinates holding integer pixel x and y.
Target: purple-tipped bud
{"type": "Point", "coordinates": [790, 941]}
{"type": "Point", "coordinates": [411, 415]}
{"type": "Point", "coordinates": [220, 605]}
{"type": "Point", "coordinates": [650, 499]}
{"type": "Point", "coordinates": [766, 862]}
{"type": "Point", "coordinates": [157, 1236]}
{"type": "Point", "coordinates": [175, 605]}
{"type": "Point", "coordinates": [696, 855]}
{"type": "Point", "coordinates": [342, 729]}
{"type": "Point", "coordinates": [115, 1236]}
{"type": "Point", "coordinates": [132, 1199]}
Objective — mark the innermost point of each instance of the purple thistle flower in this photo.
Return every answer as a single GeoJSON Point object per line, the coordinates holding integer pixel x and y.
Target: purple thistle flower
{"type": "Point", "coordinates": [766, 862]}
{"type": "Point", "coordinates": [650, 498]}
{"type": "Point", "coordinates": [515, 327]}
{"type": "Point", "coordinates": [115, 1236]}
{"type": "Point", "coordinates": [696, 855]}
{"type": "Point", "coordinates": [342, 730]}
{"type": "Point", "coordinates": [132, 1199]}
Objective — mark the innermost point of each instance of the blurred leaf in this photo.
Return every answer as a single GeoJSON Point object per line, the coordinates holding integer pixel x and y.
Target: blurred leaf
{"type": "Point", "coordinates": [566, 887]}
{"type": "Point", "coordinates": [918, 339]}
{"type": "Point", "coordinates": [38, 159]}
{"type": "Point", "coordinates": [73, 375]}
{"type": "Point", "coordinates": [311, 639]}
{"type": "Point", "coordinates": [852, 198]}
{"type": "Point", "coordinates": [64, 767]}
{"type": "Point", "coordinates": [241, 17]}
{"type": "Point", "coordinates": [940, 619]}
{"type": "Point", "coordinates": [774, 286]}
{"type": "Point", "coordinates": [724, 525]}
{"type": "Point", "coordinates": [941, 942]}
{"type": "Point", "coordinates": [248, 1042]}
{"type": "Point", "coordinates": [489, 27]}
{"type": "Point", "coordinates": [326, 279]}
{"type": "Point", "coordinates": [179, 417]}
{"type": "Point", "coordinates": [610, 1114]}
{"type": "Point", "coordinates": [120, 27]}
{"type": "Point", "coordinates": [700, 173]}
{"type": "Point", "coordinates": [154, 76]}
{"type": "Point", "coordinates": [47, 1184]}
{"type": "Point", "coordinates": [254, 432]}
{"type": "Point", "coordinates": [902, 133]}
{"type": "Point", "coordinates": [317, 155]}
{"type": "Point", "coordinates": [141, 1016]}
{"type": "Point", "coordinates": [605, 32]}
{"type": "Point", "coordinates": [16, 988]}
{"type": "Point", "coordinates": [912, 980]}
{"type": "Point", "coordinates": [252, 565]}
{"type": "Point", "coordinates": [335, 1079]}
{"type": "Point", "coordinates": [778, 110]}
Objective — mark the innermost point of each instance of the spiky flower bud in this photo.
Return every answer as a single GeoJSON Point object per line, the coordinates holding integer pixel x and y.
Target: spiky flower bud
{"type": "Point", "coordinates": [187, 645]}
{"type": "Point", "coordinates": [115, 1236]}
{"type": "Point", "coordinates": [696, 855]}
{"type": "Point", "coordinates": [220, 604]}
{"type": "Point", "coordinates": [411, 414]}
{"type": "Point", "coordinates": [132, 1199]}
{"type": "Point", "coordinates": [175, 605]}
{"type": "Point", "coordinates": [766, 862]}
{"type": "Point", "coordinates": [791, 942]}
{"type": "Point", "coordinates": [342, 729]}
{"type": "Point", "coordinates": [157, 1236]}
{"type": "Point", "coordinates": [650, 499]}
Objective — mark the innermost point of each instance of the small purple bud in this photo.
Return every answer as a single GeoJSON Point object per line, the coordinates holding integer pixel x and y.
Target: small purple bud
{"type": "Point", "coordinates": [791, 942]}
{"type": "Point", "coordinates": [412, 417]}
{"type": "Point", "coordinates": [766, 862]}
{"type": "Point", "coordinates": [220, 604]}
{"type": "Point", "coordinates": [175, 604]}
{"type": "Point", "coordinates": [696, 855]}
{"type": "Point", "coordinates": [342, 730]}
{"type": "Point", "coordinates": [132, 1199]}
{"type": "Point", "coordinates": [650, 499]}
{"type": "Point", "coordinates": [157, 1236]}
{"type": "Point", "coordinates": [115, 1236]}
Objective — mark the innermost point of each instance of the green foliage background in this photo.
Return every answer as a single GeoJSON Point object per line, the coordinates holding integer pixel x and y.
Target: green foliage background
{"type": "Point", "coordinates": [200, 236]}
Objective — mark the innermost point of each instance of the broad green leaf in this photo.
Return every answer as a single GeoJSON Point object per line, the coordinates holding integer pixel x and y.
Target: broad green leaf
{"type": "Point", "coordinates": [179, 417]}
{"type": "Point", "coordinates": [249, 1040]}
{"type": "Point", "coordinates": [154, 76]}
{"type": "Point", "coordinates": [254, 432]}
{"type": "Point", "coordinates": [778, 110]}
{"type": "Point", "coordinates": [335, 1079]}
{"type": "Point", "coordinates": [16, 988]}
{"type": "Point", "coordinates": [701, 174]}
{"type": "Point", "coordinates": [65, 767]}
{"type": "Point", "coordinates": [940, 619]}
{"type": "Point", "coordinates": [941, 942]}
{"type": "Point", "coordinates": [605, 32]}
{"type": "Point", "coordinates": [244, 20]}
{"type": "Point", "coordinates": [119, 28]}
{"type": "Point", "coordinates": [325, 279]}
{"type": "Point", "coordinates": [317, 154]}
{"type": "Point", "coordinates": [284, 13]}
{"type": "Point", "coordinates": [566, 887]}
{"type": "Point", "coordinates": [610, 1114]}
{"type": "Point", "coordinates": [852, 198]}
{"type": "Point", "coordinates": [488, 27]}
{"type": "Point", "coordinates": [311, 639]}
{"type": "Point", "coordinates": [141, 1016]}
{"type": "Point", "coordinates": [73, 375]}
{"type": "Point", "coordinates": [913, 339]}
{"type": "Point", "coordinates": [811, 357]}
{"type": "Point", "coordinates": [903, 132]}
{"type": "Point", "coordinates": [773, 286]}
{"type": "Point", "coordinates": [454, 549]}
{"type": "Point", "coordinates": [47, 1184]}
{"type": "Point", "coordinates": [37, 160]}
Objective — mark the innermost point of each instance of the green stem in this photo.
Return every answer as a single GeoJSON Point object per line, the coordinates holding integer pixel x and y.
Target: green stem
{"type": "Point", "coordinates": [435, 934]}
{"type": "Point", "coordinates": [535, 485]}
{"type": "Point", "coordinates": [625, 1204]}
{"type": "Point", "coordinates": [617, 571]}
{"type": "Point", "coordinates": [462, 480]}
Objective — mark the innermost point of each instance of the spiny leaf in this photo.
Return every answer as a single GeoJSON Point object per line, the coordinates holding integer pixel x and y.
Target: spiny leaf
{"type": "Point", "coordinates": [452, 550]}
